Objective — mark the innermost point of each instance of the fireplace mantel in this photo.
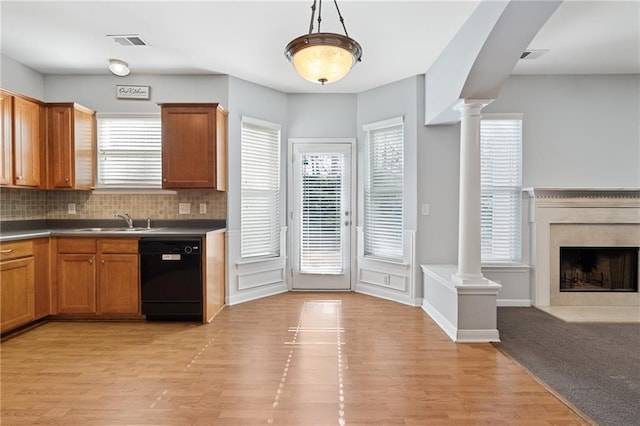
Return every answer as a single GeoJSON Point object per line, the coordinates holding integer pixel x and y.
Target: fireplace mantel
{"type": "Point", "coordinates": [565, 214]}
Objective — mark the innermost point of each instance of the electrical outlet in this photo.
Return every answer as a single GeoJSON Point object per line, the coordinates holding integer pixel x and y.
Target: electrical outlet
{"type": "Point", "coordinates": [203, 208]}
{"type": "Point", "coordinates": [425, 210]}
{"type": "Point", "coordinates": [71, 208]}
{"type": "Point", "coordinates": [184, 208]}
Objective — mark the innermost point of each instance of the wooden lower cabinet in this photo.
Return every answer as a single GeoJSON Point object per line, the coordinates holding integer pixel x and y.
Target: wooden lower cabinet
{"type": "Point", "coordinates": [119, 291]}
{"type": "Point", "coordinates": [17, 296]}
{"type": "Point", "coordinates": [98, 276]}
{"type": "Point", "coordinates": [76, 283]}
{"type": "Point", "coordinates": [17, 284]}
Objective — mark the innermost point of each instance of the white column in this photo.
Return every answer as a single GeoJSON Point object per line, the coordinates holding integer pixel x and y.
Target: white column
{"type": "Point", "coordinates": [469, 271]}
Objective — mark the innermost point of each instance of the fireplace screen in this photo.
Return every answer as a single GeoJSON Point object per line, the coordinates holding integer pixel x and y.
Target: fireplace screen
{"type": "Point", "coordinates": [599, 269]}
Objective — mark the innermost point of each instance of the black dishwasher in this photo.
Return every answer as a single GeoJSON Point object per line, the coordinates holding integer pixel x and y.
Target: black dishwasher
{"type": "Point", "coordinates": [171, 278]}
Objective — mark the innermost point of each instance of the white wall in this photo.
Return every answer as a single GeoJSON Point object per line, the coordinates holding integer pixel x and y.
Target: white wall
{"type": "Point", "coordinates": [578, 130]}
{"type": "Point", "coordinates": [21, 79]}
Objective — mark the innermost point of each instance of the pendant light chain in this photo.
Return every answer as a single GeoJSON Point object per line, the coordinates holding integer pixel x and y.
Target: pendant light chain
{"type": "Point", "coordinates": [313, 14]}
{"type": "Point", "coordinates": [340, 16]}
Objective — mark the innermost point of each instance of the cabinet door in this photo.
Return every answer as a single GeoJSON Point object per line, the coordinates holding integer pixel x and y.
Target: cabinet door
{"type": "Point", "coordinates": [6, 155]}
{"type": "Point", "coordinates": [118, 284]}
{"type": "Point", "coordinates": [76, 283]}
{"type": "Point", "coordinates": [71, 146]}
{"type": "Point", "coordinates": [188, 147]}
{"type": "Point", "coordinates": [60, 145]}
{"type": "Point", "coordinates": [17, 293]}
{"type": "Point", "coordinates": [27, 142]}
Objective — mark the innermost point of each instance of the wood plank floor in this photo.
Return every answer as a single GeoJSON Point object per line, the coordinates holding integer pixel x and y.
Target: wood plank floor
{"type": "Point", "coordinates": [292, 359]}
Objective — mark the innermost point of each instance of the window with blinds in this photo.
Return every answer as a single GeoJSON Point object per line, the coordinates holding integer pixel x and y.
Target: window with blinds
{"type": "Point", "coordinates": [501, 188]}
{"type": "Point", "coordinates": [383, 189]}
{"type": "Point", "coordinates": [129, 149]}
{"type": "Point", "coordinates": [322, 204]}
{"type": "Point", "coordinates": [260, 189]}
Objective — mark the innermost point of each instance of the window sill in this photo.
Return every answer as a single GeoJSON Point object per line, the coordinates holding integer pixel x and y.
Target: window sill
{"type": "Point", "coordinates": [505, 265]}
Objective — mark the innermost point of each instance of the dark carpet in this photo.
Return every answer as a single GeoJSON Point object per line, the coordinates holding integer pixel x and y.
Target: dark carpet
{"type": "Point", "coordinates": [595, 366]}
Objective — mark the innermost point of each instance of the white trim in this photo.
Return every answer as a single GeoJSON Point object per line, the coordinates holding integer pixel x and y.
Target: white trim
{"type": "Point", "coordinates": [521, 303]}
{"type": "Point", "coordinates": [395, 121]}
{"type": "Point", "coordinates": [387, 294]}
{"type": "Point", "coordinates": [439, 319]}
{"type": "Point", "coordinates": [262, 123]}
{"type": "Point", "coordinates": [260, 293]}
{"type": "Point", "coordinates": [477, 336]}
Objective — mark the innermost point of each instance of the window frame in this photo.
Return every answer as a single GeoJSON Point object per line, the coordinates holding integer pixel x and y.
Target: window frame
{"type": "Point", "coordinates": [394, 252]}
{"type": "Point", "coordinates": [514, 191]}
{"type": "Point", "coordinates": [274, 250]}
{"type": "Point", "coordinates": [136, 187]}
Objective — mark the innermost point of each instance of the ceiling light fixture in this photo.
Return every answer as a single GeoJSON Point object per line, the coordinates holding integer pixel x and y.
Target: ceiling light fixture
{"type": "Point", "coordinates": [323, 57]}
{"type": "Point", "coordinates": [119, 68]}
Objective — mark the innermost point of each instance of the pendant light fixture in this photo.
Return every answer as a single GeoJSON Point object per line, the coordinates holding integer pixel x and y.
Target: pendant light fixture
{"type": "Point", "coordinates": [323, 57]}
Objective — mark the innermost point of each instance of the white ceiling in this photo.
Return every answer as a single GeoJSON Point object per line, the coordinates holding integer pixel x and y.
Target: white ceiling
{"type": "Point", "coordinates": [246, 39]}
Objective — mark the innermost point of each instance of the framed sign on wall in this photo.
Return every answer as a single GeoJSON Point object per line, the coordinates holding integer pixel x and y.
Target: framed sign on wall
{"type": "Point", "coordinates": [133, 92]}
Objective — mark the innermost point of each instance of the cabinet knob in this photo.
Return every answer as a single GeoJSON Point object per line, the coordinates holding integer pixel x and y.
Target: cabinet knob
{"type": "Point", "coordinates": [66, 179]}
{"type": "Point", "coordinates": [102, 261]}
{"type": "Point", "coordinates": [18, 177]}
{"type": "Point", "coordinates": [6, 251]}
{"type": "Point", "coordinates": [164, 180]}
{"type": "Point", "coordinates": [90, 261]}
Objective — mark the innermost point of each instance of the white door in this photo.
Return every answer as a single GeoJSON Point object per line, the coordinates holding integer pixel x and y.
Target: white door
{"type": "Point", "coordinates": [321, 216]}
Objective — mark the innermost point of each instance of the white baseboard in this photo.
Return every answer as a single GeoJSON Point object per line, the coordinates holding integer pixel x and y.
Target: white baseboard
{"type": "Point", "coordinates": [382, 293]}
{"type": "Point", "coordinates": [248, 296]}
{"type": "Point", "coordinates": [439, 319]}
{"type": "Point", "coordinates": [477, 336]}
{"type": "Point", "coordinates": [514, 302]}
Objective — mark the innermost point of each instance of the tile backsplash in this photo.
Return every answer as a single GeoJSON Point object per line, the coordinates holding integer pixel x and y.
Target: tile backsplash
{"type": "Point", "coordinates": [24, 204]}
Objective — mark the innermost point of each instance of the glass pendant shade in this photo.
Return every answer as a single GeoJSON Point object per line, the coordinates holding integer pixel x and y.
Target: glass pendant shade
{"type": "Point", "coordinates": [323, 57]}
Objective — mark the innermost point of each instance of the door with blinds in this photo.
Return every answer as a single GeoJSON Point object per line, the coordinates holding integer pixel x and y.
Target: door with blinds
{"type": "Point", "coordinates": [321, 216]}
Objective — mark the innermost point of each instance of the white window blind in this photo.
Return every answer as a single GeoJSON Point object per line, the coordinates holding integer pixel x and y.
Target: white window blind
{"type": "Point", "coordinates": [129, 151]}
{"type": "Point", "coordinates": [501, 185]}
{"type": "Point", "coordinates": [260, 189]}
{"type": "Point", "coordinates": [383, 189]}
{"type": "Point", "coordinates": [322, 204]}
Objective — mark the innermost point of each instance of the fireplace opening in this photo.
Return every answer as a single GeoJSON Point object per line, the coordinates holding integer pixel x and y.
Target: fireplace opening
{"type": "Point", "coordinates": [599, 269]}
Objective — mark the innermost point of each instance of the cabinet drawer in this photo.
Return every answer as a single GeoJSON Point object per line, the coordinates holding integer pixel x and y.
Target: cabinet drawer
{"type": "Point", "coordinates": [16, 249]}
{"type": "Point", "coordinates": [76, 245]}
{"type": "Point", "coordinates": [118, 245]}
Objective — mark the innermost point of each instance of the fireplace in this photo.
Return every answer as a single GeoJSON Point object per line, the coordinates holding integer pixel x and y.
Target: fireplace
{"type": "Point", "coordinates": [584, 219]}
{"type": "Point", "coordinates": [598, 269]}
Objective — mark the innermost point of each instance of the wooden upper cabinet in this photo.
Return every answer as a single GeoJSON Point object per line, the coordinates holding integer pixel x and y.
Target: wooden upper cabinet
{"type": "Point", "coordinates": [28, 152]}
{"type": "Point", "coordinates": [194, 146]}
{"type": "Point", "coordinates": [6, 154]}
{"type": "Point", "coordinates": [71, 146]}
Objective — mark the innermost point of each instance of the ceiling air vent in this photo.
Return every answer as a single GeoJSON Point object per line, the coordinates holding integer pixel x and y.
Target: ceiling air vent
{"type": "Point", "coordinates": [532, 54]}
{"type": "Point", "coordinates": [128, 39]}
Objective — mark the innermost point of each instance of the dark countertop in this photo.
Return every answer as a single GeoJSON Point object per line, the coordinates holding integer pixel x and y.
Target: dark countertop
{"type": "Point", "coordinates": [27, 229]}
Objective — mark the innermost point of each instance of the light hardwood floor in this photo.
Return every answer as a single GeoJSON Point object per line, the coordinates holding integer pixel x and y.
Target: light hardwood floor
{"type": "Point", "coordinates": [292, 359]}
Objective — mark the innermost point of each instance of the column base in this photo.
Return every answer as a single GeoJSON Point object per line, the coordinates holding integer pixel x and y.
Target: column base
{"type": "Point", "coordinates": [468, 279]}
{"type": "Point", "coordinates": [465, 312]}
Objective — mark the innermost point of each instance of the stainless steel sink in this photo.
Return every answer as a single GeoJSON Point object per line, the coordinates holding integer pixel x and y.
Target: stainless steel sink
{"type": "Point", "coordinates": [134, 229]}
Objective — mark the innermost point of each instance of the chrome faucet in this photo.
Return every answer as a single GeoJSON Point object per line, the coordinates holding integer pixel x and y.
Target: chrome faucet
{"type": "Point", "coordinates": [126, 218]}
